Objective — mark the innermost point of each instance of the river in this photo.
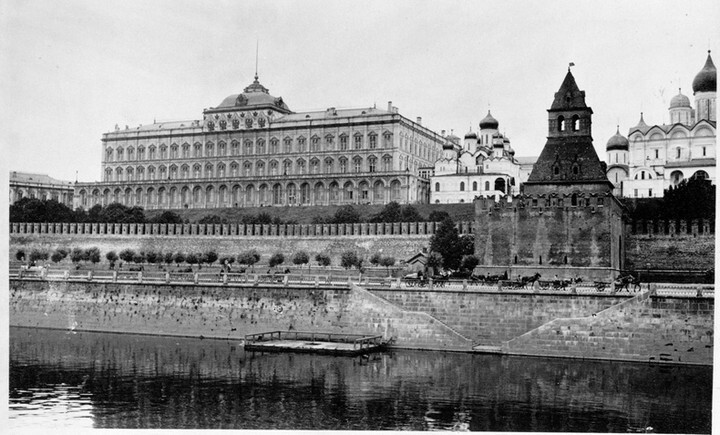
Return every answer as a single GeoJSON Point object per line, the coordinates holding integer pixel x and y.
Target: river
{"type": "Point", "coordinates": [75, 380]}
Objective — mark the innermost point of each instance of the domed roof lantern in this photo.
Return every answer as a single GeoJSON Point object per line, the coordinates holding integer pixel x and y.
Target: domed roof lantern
{"type": "Point", "coordinates": [706, 79]}
{"type": "Point", "coordinates": [489, 122]}
{"type": "Point", "coordinates": [680, 100]}
{"type": "Point", "coordinates": [618, 142]}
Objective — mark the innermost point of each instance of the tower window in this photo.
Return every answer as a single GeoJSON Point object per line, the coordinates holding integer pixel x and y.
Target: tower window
{"type": "Point", "coordinates": [561, 123]}
{"type": "Point", "coordinates": [576, 169]}
{"type": "Point", "coordinates": [556, 170]}
{"type": "Point", "coordinates": [575, 123]}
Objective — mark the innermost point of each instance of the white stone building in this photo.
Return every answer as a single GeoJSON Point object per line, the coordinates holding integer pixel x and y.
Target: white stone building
{"type": "Point", "coordinates": [40, 186]}
{"type": "Point", "coordinates": [252, 150]}
{"type": "Point", "coordinates": [483, 164]}
{"type": "Point", "coordinates": [656, 157]}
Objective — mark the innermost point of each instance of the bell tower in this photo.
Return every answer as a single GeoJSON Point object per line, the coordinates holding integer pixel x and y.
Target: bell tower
{"type": "Point", "coordinates": [568, 163]}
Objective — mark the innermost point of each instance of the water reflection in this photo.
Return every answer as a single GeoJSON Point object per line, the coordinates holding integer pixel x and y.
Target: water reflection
{"type": "Point", "coordinates": [123, 381]}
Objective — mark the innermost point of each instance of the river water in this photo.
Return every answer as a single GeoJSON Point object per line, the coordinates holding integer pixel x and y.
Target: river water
{"type": "Point", "coordinates": [74, 380]}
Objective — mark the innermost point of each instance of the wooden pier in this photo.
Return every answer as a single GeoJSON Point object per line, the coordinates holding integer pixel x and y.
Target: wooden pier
{"type": "Point", "coordinates": [314, 342]}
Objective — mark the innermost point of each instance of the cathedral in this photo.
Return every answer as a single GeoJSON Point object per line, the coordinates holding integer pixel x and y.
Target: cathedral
{"type": "Point", "coordinates": [252, 150]}
{"type": "Point", "coordinates": [484, 164]}
{"type": "Point", "coordinates": [655, 157]}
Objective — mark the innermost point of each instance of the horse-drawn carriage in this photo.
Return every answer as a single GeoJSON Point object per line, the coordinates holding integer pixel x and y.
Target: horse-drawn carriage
{"type": "Point", "coordinates": [627, 281]}
{"type": "Point", "coordinates": [418, 279]}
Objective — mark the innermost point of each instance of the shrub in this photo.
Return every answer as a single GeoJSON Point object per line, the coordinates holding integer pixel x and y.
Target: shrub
{"type": "Point", "coordinates": [168, 257]}
{"type": "Point", "coordinates": [277, 259]}
{"type": "Point", "coordinates": [322, 259]}
{"type": "Point", "coordinates": [178, 257]}
{"type": "Point", "coordinates": [77, 255]}
{"type": "Point", "coordinates": [153, 257]}
{"type": "Point", "coordinates": [111, 256]}
{"type": "Point", "coordinates": [249, 258]}
{"type": "Point", "coordinates": [92, 255]}
{"type": "Point", "coordinates": [192, 258]}
{"type": "Point", "coordinates": [127, 255]}
{"type": "Point", "coordinates": [387, 262]}
{"type": "Point", "coordinates": [139, 258]}
{"type": "Point", "coordinates": [20, 255]}
{"type": "Point", "coordinates": [375, 259]}
{"type": "Point", "coordinates": [209, 257]}
{"type": "Point", "coordinates": [300, 258]}
{"type": "Point", "coordinates": [469, 262]}
{"type": "Point", "coordinates": [349, 259]}
{"type": "Point", "coordinates": [56, 257]}
{"type": "Point", "coordinates": [36, 255]}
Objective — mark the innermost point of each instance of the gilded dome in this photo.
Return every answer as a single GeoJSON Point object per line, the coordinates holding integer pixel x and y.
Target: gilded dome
{"type": "Point", "coordinates": [680, 100]}
{"type": "Point", "coordinates": [489, 122]}
{"type": "Point", "coordinates": [706, 79]}
{"type": "Point", "coordinates": [618, 142]}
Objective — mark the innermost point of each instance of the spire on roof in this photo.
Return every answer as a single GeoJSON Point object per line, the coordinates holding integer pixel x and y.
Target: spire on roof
{"type": "Point", "coordinates": [569, 96]}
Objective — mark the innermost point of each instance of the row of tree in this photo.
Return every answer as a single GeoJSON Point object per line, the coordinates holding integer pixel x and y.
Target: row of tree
{"type": "Point", "coordinates": [690, 199]}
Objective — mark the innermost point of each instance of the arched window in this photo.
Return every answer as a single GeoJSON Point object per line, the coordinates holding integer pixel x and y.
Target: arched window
{"type": "Point", "coordinates": [573, 200]}
{"type": "Point", "coordinates": [561, 123]}
{"type": "Point", "coordinates": [487, 185]}
{"type": "Point", "coordinates": [575, 123]}
{"type": "Point", "coordinates": [437, 187]}
{"type": "Point", "coordinates": [462, 186]}
{"type": "Point", "coordinates": [474, 185]}
{"type": "Point", "coordinates": [500, 184]}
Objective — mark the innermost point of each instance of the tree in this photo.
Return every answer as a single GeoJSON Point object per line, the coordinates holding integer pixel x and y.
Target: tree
{"type": "Point", "coordinates": [56, 257]}
{"type": "Point", "coordinates": [375, 259]}
{"type": "Point", "coordinates": [139, 258]}
{"type": "Point", "coordinates": [408, 213]}
{"type": "Point", "coordinates": [168, 258]}
{"type": "Point", "coordinates": [300, 258]}
{"type": "Point", "coordinates": [20, 255]}
{"type": "Point", "coordinates": [178, 257]}
{"type": "Point", "coordinates": [209, 257]}
{"type": "Point", "coordinates": [212, 219]}
{"type": "Point", "coordinates": [38, 255]}
{"type": "Point", "coordinates": [322, 259]}
{"type": "Point", "coordinates": [111, 256]}
{"type": "Point", "coordinates": [346, 215]}
{"type": "Point", "coordinates": [390, 213]}
{"type": "Point", "coordinates": [92, 255]}
{"type": "Point", "coordinates": [469, 263]}
{"type": "Point", "coordinates": [387, 262]}
{"type": "Point", "coordinates": [277, 259]}
{"type": "Point", "coordinates": [192, 258]}
{"type": "Point", "coordinates": [434, 262]}
{"type": "Point", "coordinates": [438, 216]}
{"type": "Point", "coordinates": [37, 210]}
{"type": "Point", "coordinates": [77, 255]}
{"type": "Point", "coordinates": [249, 258]}
{"type": "Point", "coordinates": [127, 255]}
{"type": "Point", "coordinates": [167, 217]}
{"type": "Point", "coordinates": [349, 259]}
{"type": "Point", "coordinates": [93, 215]}
{"type": "Point", "coordinates": [153, 257]}
{"type": "Point", "coordinates": [446, 242]}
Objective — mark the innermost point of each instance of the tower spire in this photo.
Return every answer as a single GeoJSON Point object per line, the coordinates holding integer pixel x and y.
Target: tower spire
{"type": "Point", "coordinates": [257, 48]}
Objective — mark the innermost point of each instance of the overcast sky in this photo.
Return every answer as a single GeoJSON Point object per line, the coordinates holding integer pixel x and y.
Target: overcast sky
{"type": "Point", "coordinates": [71, 70]}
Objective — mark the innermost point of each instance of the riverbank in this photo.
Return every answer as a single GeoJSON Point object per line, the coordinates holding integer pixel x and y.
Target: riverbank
{"type": "Point", "coordinates": [637, 327]}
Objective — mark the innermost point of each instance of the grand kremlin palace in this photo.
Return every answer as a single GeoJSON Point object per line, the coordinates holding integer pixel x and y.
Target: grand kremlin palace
{"type": "Point", "coordinates": [252, 150]}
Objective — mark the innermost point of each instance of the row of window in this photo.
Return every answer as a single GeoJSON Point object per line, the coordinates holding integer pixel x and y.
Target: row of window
{"type": "Point", "coordinates": [249, 169]}
{"type": "Point", "coordinates": [499, 185]}
{"type": "Point", "coordinates": [276, 194]}
{"type": "Point", "coordinates": [248, 147]}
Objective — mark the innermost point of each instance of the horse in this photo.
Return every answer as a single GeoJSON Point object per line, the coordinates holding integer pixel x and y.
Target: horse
{"type": "Point", "coordinates": [626, 282]}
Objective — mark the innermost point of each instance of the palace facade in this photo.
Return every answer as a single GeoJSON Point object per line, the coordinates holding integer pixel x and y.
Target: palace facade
{"type": "Point", "coordinates": [656, 157]}
{"type": "Point", "coordinates": [252, 150]}
{"type": "Point", "coordinates": [40, 186]}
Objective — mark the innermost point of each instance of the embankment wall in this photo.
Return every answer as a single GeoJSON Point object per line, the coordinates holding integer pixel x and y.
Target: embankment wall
{"type": "Point", "coordinates": [581, 326]}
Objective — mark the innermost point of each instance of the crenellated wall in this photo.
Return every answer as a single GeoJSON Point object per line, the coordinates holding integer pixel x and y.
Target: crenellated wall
{"type": "Point", "coordinates": [240, 230]}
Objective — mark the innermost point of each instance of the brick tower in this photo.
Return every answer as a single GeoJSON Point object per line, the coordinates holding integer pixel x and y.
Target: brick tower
{"type": "Point", "coordinates": [566, 222]}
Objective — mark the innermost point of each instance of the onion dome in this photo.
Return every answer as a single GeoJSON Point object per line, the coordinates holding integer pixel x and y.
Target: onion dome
{"type": "Point", "coordinates": [706, 79]}
{"type": "Point", "coordinates": [470, 135]}
{"type": "Point", "coordinates": [618, 142]}
{"type": "Point", "coordinates": [489, 122]}
{"type": "Point", "coordinates": [680, 100]}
